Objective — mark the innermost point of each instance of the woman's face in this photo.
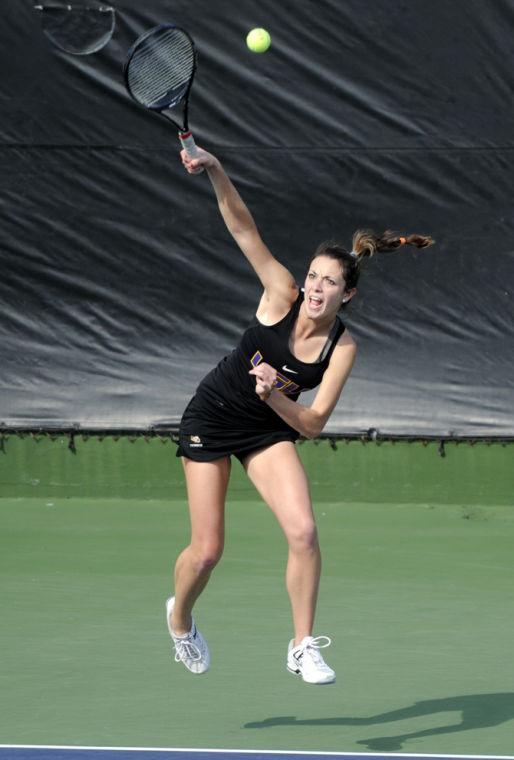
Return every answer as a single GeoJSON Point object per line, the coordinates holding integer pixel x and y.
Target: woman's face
{"type": "Point", "coordinates": [325, 287]}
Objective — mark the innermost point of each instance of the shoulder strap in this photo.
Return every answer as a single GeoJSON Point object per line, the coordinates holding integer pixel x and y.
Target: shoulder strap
{"type": "Point", "coordinates": [293, 311]}
{"type": "Point", "coordinates": [337, 330]}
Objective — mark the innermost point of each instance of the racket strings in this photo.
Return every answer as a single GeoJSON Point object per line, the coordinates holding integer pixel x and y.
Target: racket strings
{"type": "Point", "coordinates": [161, 67]}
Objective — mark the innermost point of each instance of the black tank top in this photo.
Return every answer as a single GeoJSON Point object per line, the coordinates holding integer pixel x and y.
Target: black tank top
{"type": "Point", "coordinates": [226, 396]}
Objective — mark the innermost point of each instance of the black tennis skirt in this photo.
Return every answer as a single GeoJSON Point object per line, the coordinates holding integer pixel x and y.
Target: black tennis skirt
{"type": "Point", "coordinates": [203, 439]}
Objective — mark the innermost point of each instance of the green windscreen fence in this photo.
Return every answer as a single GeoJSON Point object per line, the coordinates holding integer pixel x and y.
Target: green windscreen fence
{"type": "Point", "coordinates": [147, 468]}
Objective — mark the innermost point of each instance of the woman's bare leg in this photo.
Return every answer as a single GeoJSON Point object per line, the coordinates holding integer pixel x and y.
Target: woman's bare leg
{"type": "Point", "coordinates": [206, 490]}
{"type": "Point", "coordinates": [280, 478]}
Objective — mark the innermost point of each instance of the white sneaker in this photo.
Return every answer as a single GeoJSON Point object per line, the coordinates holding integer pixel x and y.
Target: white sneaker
{"type": "Point", "coordinates": [191, 648]}
{"type": "Point", "coordinates": [306, 661]}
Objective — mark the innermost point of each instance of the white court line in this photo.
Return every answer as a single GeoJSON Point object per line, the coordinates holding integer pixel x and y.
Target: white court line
{"type": "Point", "coordinates": [404, 755]}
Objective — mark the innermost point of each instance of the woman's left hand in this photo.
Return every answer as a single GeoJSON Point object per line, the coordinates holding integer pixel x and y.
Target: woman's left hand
{"type": "Point", "coordinates": [265, 380]}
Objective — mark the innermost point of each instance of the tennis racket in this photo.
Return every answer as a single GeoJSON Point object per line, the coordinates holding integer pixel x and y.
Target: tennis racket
{"type": "Point", "coordinates": [159, 73]}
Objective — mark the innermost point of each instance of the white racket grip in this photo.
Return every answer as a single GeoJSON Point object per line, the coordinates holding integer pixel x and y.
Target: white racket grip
{"type": "Point", "coordinates": [188, 143]}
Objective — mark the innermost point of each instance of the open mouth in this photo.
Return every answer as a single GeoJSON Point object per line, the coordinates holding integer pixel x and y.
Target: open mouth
{"type": "Point", "coordinates": [315, 302]}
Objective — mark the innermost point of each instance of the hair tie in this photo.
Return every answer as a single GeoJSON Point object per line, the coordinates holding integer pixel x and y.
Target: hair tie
{"type": "Point", "coordinates": [403, 241]}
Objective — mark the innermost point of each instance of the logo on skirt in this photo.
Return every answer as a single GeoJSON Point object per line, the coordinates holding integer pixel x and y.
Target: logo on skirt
{"type": "Point", "coordinates": [196, 441]}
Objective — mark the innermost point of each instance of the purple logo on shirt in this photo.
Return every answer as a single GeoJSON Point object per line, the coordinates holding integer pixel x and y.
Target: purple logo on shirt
{"type": "Point", "coordinates": [284, 384]}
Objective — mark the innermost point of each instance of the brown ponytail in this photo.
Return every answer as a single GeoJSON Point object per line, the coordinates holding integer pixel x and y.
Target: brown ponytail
{"type": "Point", "coordinates": [366, 243]}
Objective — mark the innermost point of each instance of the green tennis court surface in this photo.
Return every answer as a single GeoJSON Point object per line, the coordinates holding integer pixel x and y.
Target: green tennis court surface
{"type": "Point", "coordinates": [417, 595]}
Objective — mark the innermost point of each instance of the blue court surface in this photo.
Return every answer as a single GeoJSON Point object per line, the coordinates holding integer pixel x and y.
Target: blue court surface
{"type": "Point", "coordinates": [19, 752]}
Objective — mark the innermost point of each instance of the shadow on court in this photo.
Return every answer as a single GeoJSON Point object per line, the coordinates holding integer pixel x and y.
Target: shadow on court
{"type": "Point", "coordinates": [477, 711]}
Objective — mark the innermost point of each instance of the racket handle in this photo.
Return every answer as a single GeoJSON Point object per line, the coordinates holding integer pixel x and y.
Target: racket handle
{"type": "Point", "coordinates": [188, 143]}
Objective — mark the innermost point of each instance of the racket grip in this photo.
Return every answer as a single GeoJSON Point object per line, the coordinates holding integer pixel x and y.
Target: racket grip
{"type": "Point", "coordinates": [188, 143]}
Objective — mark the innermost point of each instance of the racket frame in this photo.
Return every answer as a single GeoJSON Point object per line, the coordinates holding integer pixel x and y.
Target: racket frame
{"type": "Point", "coordinates": [184, 133]}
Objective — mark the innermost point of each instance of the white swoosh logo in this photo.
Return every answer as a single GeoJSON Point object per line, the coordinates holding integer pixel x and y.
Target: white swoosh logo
{"type": "Point", "coordinates": [286, 369]}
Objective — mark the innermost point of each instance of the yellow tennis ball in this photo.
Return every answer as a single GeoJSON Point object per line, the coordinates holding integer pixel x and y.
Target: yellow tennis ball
{"type": "Point", "coordinates": [258, 40]}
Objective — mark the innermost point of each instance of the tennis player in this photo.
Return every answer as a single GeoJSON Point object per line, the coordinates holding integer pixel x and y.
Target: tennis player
{"type": "Point", "coordinates": [247, 407]}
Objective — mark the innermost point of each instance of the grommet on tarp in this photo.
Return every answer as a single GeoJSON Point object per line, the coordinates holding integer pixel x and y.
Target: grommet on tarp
{"type": "Point", "coordinates": [440, 450]}
{"type": "Point", "coordinates": [332, 444]}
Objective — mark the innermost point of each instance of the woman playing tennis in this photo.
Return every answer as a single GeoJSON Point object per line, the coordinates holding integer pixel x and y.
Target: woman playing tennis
{"type": "Point", "coordinates": [247, 407]}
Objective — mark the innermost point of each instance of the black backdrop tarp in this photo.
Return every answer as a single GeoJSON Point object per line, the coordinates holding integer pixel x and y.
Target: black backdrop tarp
{"type": "Point", "coordinates": [120, 287]}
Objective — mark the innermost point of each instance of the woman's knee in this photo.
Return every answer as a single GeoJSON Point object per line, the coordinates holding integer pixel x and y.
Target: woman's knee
{"type": "Point", "coordinates": [207, 555]}
{"type": "Point", "coordinates": [303, 536]}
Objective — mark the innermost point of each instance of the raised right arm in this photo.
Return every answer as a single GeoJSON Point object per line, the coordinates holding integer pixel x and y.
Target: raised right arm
{"type": "Point", "coordinates": [277, 281]}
